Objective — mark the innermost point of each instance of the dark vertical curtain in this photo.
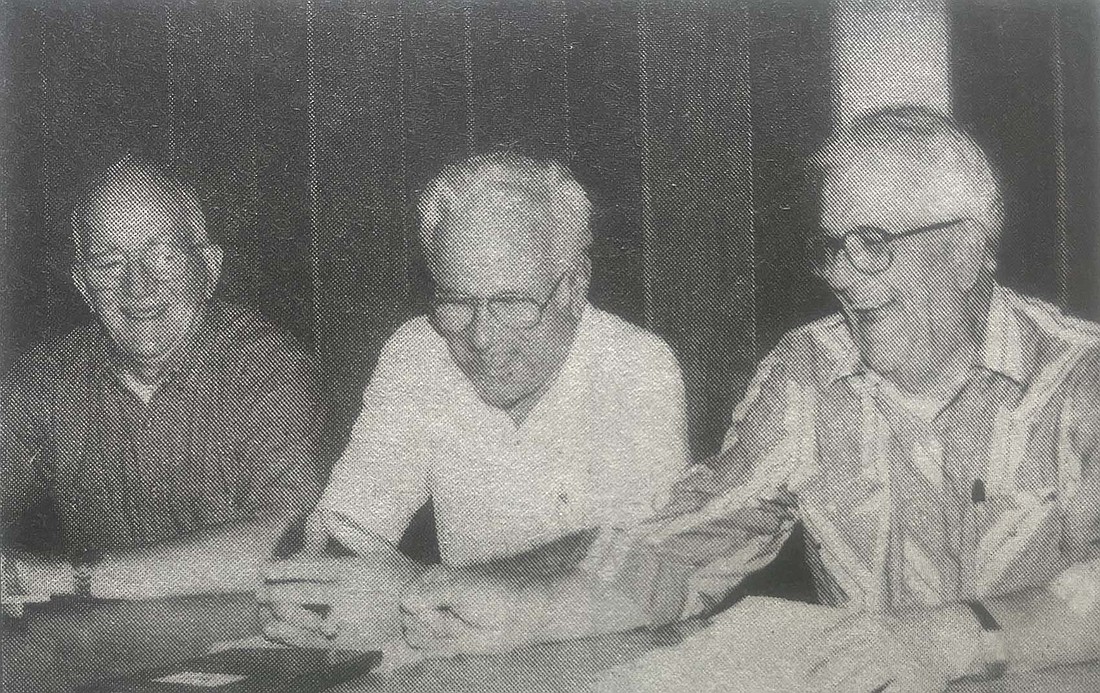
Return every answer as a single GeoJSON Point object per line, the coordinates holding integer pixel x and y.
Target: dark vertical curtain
{"type": "Point", "coordinates": [311, 127]}
{"type": "Point", "coordinates": [1026, 83]}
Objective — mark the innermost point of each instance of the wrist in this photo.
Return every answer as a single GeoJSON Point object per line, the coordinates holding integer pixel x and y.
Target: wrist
{"type": "Point", "coordinates": [45, 575]}
{"type": "Point", "coordinates": [995, 656]}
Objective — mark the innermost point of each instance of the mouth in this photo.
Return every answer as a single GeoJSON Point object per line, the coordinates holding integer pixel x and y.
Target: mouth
{"type": "Point", "coordinates": [871, 314]}
{"type": "Point", "coordinates": [144, 313]}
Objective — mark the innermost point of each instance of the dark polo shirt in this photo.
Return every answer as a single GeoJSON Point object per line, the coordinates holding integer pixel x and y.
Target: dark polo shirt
{"type": "Point", "coordinates": [232, 430]}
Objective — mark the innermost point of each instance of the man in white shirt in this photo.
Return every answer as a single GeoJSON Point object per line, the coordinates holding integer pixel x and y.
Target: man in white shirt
{"type": "Point", "coordinates": [521, 411]}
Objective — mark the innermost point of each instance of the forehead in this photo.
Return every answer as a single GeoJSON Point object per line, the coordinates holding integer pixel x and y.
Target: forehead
{"type": "Point", "coordinates": [892, 190]}
{"type": "Point", "coordinates": [132, 216]}
{"type": "Point", "coordinates": [488, 246]}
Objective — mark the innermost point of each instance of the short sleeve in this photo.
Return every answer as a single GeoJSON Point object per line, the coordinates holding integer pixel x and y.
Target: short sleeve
{"type": "Point", "coordinates": [659, 436]}
{"type": "Point", "coordinates": [381, 479]}
{"type": "Point", "coordinates": [730, 516]}
{"type": "Point", "coordinates": [658, 445]}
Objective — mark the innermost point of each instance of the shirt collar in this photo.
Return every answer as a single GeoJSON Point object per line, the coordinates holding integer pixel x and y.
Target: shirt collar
{"type": "Point", "coordinates": [195, 345]}
{"type": "Point", "coordinates": [1000, 353]}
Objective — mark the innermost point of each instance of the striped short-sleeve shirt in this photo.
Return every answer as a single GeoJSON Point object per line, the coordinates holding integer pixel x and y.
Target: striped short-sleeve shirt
{"type": "Point", "coordinates": [232, 430]}
{"type": "Point", "coordinates": [905, 503]}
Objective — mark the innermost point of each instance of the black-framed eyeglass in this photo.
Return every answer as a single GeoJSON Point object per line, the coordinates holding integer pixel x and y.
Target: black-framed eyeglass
{"type": "Point", "coordinates": [453, 314]}
{"type": "Point", "coordinates": [868, 248]}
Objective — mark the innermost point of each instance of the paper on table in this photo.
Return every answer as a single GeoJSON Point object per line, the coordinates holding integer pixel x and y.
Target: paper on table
{"type": "Point", "coordinates": [746, 648]}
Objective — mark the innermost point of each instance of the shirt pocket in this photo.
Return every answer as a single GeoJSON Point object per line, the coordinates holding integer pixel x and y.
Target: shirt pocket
{"type": "Point", "coordinates": [1020, 533]}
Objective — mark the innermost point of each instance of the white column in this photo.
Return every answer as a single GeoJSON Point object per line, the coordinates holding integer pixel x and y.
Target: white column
{"type": "Point", "coordinates": [887, 52]}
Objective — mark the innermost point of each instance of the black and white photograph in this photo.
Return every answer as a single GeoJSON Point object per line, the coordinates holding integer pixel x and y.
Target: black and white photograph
{"type": "Point", "coordinates": [610, 346]}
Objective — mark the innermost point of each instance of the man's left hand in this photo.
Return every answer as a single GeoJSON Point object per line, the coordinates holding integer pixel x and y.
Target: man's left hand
{"type": "Point", "coordinates": [452, 610]}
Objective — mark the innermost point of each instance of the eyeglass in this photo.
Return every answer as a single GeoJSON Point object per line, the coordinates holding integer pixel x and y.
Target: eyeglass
{"type": "Point", "coordinates": [161, 262]}
{"type": "Point", "coordinates": [868, 247]}
{"type": "Point", "coordinates": [454, 314]}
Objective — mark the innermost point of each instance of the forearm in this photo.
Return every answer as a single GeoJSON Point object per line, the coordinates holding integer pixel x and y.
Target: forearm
{"type": "Point", "coordinates": [580, 604]}
{"type": "Point", "coordinates": [1042, 628]}
{"type": "Point", "coordinates": [228, 558]}
{"type": "Point", "coordinates": [1038, 627]}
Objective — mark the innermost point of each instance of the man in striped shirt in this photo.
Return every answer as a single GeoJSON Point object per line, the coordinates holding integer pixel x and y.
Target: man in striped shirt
{"type": "Point", "coordinates": [169, 441]}
{"type": "Point", "coordinates": [937, 439]}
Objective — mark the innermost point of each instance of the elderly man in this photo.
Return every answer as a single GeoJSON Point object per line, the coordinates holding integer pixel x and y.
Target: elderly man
{"type": "Point", "coordinates": [526, 415]}
{"type": "Point", "coordinates": [170, 440]}
{"type": "Point", "coordinates": [937, 439]}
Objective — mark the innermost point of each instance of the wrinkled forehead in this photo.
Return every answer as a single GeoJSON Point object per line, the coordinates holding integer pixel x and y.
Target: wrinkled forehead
{"type": "Point", "coordinates": [893, 188]}
{"type": "Point", "coordinates": [133, 215]}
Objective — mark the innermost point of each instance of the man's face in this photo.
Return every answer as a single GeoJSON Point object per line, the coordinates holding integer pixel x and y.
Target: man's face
{"type": "Point", "coordinates": [485, 252]}
{"type": "Point", "coordinates": [906, 317]}
{"type": "Point", "coordinates": [142, 276]}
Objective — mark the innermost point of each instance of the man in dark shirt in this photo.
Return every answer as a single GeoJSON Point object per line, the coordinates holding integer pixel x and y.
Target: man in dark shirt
{"type": "Point", "coordinates": [171, 441]}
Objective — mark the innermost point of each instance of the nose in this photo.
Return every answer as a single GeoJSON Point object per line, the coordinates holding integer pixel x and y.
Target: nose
{"type": "Point", "coordinates": [843, 277]}
{"type": "Point", "coordinates": [137, 280]}
{"type": "Point", "coordinates": [482, 329]}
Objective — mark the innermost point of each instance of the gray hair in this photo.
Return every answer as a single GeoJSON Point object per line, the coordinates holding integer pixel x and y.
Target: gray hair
{"type": "Point", "coordinates": [923, 135]}
{"type": "Point", "coordinates": [133, 176]}
{"type": "Point", "coordinates": [512, 179]}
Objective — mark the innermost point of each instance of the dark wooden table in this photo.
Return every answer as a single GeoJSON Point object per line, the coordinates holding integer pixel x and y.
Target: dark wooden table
{"type": "Point", "coordinates": [59, 646]}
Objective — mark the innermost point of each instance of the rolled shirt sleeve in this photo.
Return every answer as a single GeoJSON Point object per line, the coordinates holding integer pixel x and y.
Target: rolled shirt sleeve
{"type": "Point", "coordinates": [730, 516]}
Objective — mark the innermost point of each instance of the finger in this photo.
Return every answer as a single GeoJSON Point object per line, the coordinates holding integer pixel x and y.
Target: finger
{"type": "Point", "coordinates": [421, 634]}
{"type": "Point", "coordinates": [284, 633]}
{"type": "Point", "coordinates": [296, 615]}
{"type": "Point", "coordinates": [856, 674]}
{"type": "Point", "coordinates": [293, 570]}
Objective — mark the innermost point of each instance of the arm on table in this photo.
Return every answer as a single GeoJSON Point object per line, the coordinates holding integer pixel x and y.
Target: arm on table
{"type": "Point", "coordinates": [723, 521]}
{"type": "Point", "coordinates": [1051, 625]}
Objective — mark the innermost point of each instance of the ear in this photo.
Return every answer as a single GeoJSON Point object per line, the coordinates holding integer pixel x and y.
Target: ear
{"type": "Point", "coordinates": [582, 278]}
{"type": "Point", "coordinates": [969, 257]}
{"type": "Point", "coordinates": [212, 257]}
{"type": "Point", "coordinates": [82, 286]}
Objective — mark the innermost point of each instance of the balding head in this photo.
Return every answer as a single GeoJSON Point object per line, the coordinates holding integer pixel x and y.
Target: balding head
{"type": "Point", "coordinates": [144, 262]}
{"type": "Point", "coordinates": [138, 187]}
{"type": "Point", "coordinates": [930, 148]}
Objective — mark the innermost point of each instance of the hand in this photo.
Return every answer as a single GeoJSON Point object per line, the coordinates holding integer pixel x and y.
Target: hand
{"type": "Point", "coordinates": [924, 651]}
{"type": "Point", "coordinates": [34, 575]}
{"type": "Point", "coordinates": [451, 610]}
{"type": "Point", "coordinates": [326, 602]}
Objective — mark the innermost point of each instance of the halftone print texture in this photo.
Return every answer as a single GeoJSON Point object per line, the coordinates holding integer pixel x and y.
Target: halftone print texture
{"type": "Point", "coordinates": [551, 345]}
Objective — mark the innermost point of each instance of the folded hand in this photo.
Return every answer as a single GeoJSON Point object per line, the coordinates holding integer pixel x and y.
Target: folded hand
{"type": "Point", "coordinates": [450, 610]}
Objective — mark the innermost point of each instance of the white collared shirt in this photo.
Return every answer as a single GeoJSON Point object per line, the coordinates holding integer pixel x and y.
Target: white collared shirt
{"type": "Point", "coordinates": [600, 448]}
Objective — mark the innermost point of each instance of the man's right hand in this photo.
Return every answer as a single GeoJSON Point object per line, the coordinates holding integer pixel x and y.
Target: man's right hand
{"type": "Point", "coordinates": [322, 602]}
